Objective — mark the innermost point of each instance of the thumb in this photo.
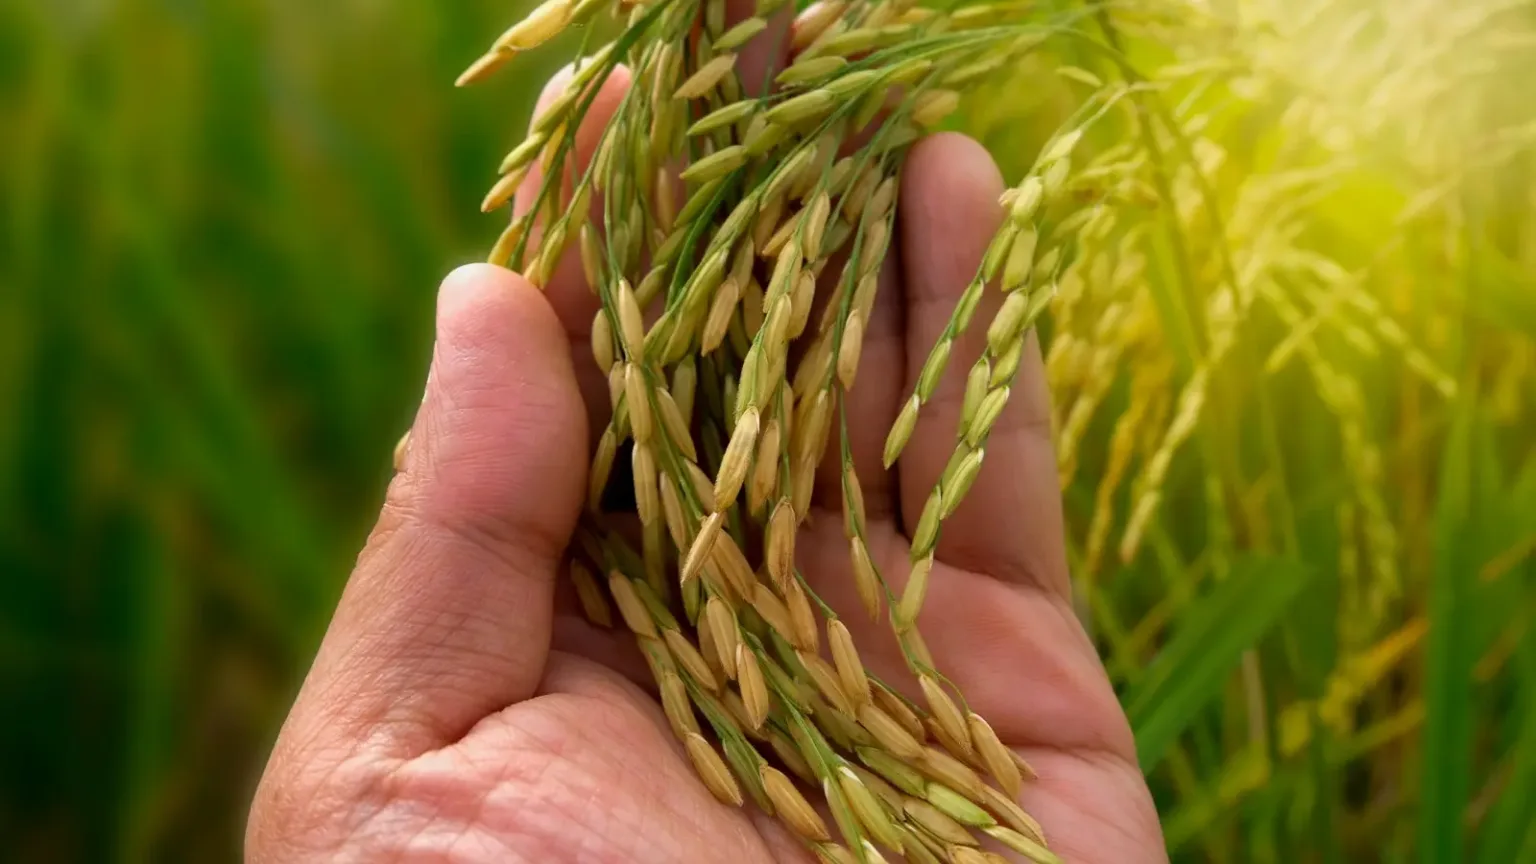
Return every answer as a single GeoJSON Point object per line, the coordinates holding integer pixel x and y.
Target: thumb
{"type": "Point", "coordinates": [447, 617]}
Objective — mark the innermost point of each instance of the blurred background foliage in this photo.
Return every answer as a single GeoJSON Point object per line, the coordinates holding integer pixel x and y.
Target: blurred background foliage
{"type": "Point", "coordinates": [221, 227]}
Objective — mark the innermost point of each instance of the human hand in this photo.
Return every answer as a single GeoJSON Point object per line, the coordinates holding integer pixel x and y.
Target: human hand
{"type": "Point", "coordinates": [459, 710]}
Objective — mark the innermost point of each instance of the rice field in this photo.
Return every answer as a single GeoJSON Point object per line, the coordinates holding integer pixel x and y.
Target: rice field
{"type": "Point", "coordinates": [1297, 460]}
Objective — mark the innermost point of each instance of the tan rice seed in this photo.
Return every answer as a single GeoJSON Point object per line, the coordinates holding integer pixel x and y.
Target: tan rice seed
{"type": "Point", "coordinates": [787, 265]}
{"type": "Point", "coordinates": [721, 310]}
{"type": "Point", "coordinates": [1008, 363]}
{"type": "Point", "coordinates": [812, 416]}
{"type": "Point", "coordinates": [921, 847]}
{"type": "Point", "coordinates": [483, 67]}
{"type": "Point", "coordinates": [912, 642]}
{"type": "Point", "coordinates": [792, 807]}
{"type": "Point", "coordinates": [538, 26]}
{"type": "Point", "coordinates": [740, 34]}
{"type": "Point", "coordinates": [865, 579]}
{"type": "Point", "coordinates": [893, 770]}
{"type": "Point", "coordinates": [1021, 259]}
{"type": "Point", "coordinates": [802, 483]}
{"type": "Point", "coordinates": [506, 243]}
{"type": "Point", "coordinates": [766, 225]}
{"type": "Point", "coordinates": [602, 341]}
{"type": "Point", "coordinates": [737, 459]}
{"type": "Point", "coordinates": [779, 540]}
{"type": "Point", "coordinates": [888, 732]}
{"type": "Point", "coordinates": [738, 711]}
{"type": "Point", "coordinates": [958, 807]}
{"type": "Point", "coordinates": [631, 323]}
{"type": "Point", "coordinates": [946, 714]}
{"type": "Point", "coordinates": [650, 286]}
{"type": "Point", "coordinates": [616, 378]}
{"type": "Point", "coordinates": [801, 109]}
{"type": "Point", "coordinates": [711, 651]}
{"type": "Point", "coordinates": [1023, 845]}
{"type": "Point", "coordinates": [853, 502]}
{"type": "Point", "coordinates": [946, 769]}
{"type": "Point", "coordinates": [720, 623]}
{"type": "Point", "coordinates": [995, 757]}
{"type": "Point", "coordinates": [850, 669]}
{"type": "Point", "coordinates": [676, 705]}
{"type": "Point", "coordinates": [1025, 204]}
{"type": "Point", "coordinates": [791, 756]}
{"type": "Point", "coordinates": [675, 425]}
{"type": "Point", "coordinates": [832, 853]}
{"type": "Point", "coordinates": [949, 742]}
{"type": "Point", "coordinates": [927, 533]}
{"type": "Point", "coordinates": [715, 166]}
{"type": "Point", "coordinates": [772, 610]}
{"type": "Point", "coordinates": [501, 193]}
{"type": "Point", "coordinates": [1011, 814]}
{"type": "Point", "coordinates": [986, 416]}
{"type": "Point", "coordinates": [932, 106]}
{"type": "Point", "coordinates": [712, 770]}
{"type": "Point", "coordinates": [937, 823]}
{"type": "Point", "coordinates": [914, 593]}
{"type": "Point", "coordinates": [703, 487]}
{"type": "Point", "coordinates": [850, 351]}
{"type": "Point", "coordinates": [888, 795]}
{"type": "Point", "coordinates": [967, 855]}
{"type": "Point", "coordinates": [685, 382]}
{"type": "Point", "coordinates": [803, 299]}
{"type": "Point", "coordinates": [729, 561]}
{"type": "Point", "coordinates": [863, 190]}
{"type": "Point", "coordinates": [783, 233]}
{"type": "Point", "coordinates": [811, 70]}
{"type": "Point", "coordinates": [647, 502]}
{"type": "Point", "coordinates": [602, 467]}
{"type": "Point", "coordinates": [637, 399]}
{"type": "Point", "coordinates": [672, 509]}
{"type": "Point", "coordinates": [802, 618]}
{"type": "Point", "coordinates": [899, 711]}
{"type": "Point", "coordinates": [868, 810]}
{"type": "Point", "coordinates": [776, 324]}
{"type": "Point", "coordinates": [762, 483]}
{"type": "Point", "coordinates": [754, 690]}
{"type": "Point", "coordinates": [826, 680]}
{"type": "Point", "coordinates": [815, 225]}
{"type": "Point", "coordinates": [704, 80]}
{"type": "Point", "coordinates": [814, 21]}
{"type": "Point", "coordinates": [872, 855]}
{"type": "Point", "coordinates": [839, 727]}
{"type": "Point", "coordinates": [593, 604]}
{"type": "Point", "coordinates": [901, 431]}
{"type": "Point", "coordinates": [959, 485]}
{"type": "Point", "coordinates": [691, 661]}
{"type": "Point", "coordinates": [631, 609]}
{"type": "Point", "coordinates": [848, 42]}
{"type": "Point", "coordinates": [702, 546]}
{"type": "Point", "coordinates": [977, 385]}
{"type": "Point", "coordinates": [882, 198]}
{"type": "Point", "coordinates": [1025, 769]}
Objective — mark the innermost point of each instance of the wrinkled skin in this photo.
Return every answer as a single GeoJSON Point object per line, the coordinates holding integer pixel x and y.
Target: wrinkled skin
{"type": "Point", "coordinates": [460, 709]}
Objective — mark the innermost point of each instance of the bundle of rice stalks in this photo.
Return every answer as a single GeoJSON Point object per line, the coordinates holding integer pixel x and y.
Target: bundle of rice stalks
{"type": "Point", "coordinates": [732, 220]}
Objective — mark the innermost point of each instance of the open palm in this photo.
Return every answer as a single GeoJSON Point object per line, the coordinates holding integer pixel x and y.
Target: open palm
{"type": "Point", "coordinates": [458, 711]}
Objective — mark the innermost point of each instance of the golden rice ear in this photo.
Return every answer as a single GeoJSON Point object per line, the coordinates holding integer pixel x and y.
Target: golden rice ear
{"type": "Point", "coordinates": [756, 228]}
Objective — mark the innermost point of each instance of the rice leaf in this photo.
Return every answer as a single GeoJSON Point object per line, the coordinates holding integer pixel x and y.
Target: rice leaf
{"type": "Point", "coordinates": [1448, 662]}
{"type": "Point", "coordinates": [1188, 673]}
